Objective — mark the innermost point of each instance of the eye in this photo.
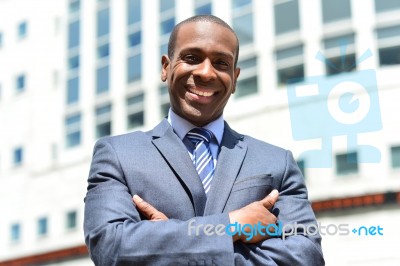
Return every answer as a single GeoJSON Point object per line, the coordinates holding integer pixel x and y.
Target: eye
{"type": "Point", "coordinates": [191, 59]}
{"type": "Point", "coordinates": [222, 64]}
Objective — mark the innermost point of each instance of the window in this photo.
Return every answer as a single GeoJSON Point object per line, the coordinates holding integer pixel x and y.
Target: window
{"type": "Point", "coordinates": [42, 226]}
{"type": "Point", "coordinates": [15, 232]}
{"type": "Point", "coordinates": [167, 22]}
{"type": "Point", "coordinates": [164, 97]}
{"type": "Point", "coordinates": [103, 121]}
{"type": "Point", "coordinates": [103, 22]}
{"type": "Point", "coordinates": [74, 6]}
{"type": "Point", "coordinates": [20, 83]}
{"type": "Point", "coordinates": [18, 156]}
{"type": "Point", "coordinates": [102, 79]}
{"type": "Point", "coordinates": [395, 154]}
{"type": "Point", "coordinates": [247, 83]}
{"type": "Point", "coordinates": [71, 220]}
{"type": "Point", "coordinates": [166, 5]}
{"type": "Point", "coordinates": [135, 68]}
{"type": "Point", "coordinates": [290, 67]}
{"type": "Point", "coordinates": [347, 163]}
{"type": "Point", "coordinates": [135, 110]}
{"type": "Point", "coordinates": [203, 8]}
{"type": "Point", "coordinates": [335, 10]}
{"type": "Point", "coordinates": [73, 130]}
{"type": "Point", "coordinates": [389, 45]}
{"type": "Point", "coordinates": [22, 30]}
{"type": "Point", "coordinates": [1, 39]}
{"type": "Point", "coordinates": [134, 38]}
{"type": "Point", "coordinates": [242, 20]}
{"type": "Point", "coordinates": [286, 15]}
{"type": "Point", "coordinates": [340, 53]}
{"type": "Point", "coordinates": [73, 34]}
{"type": "Point", "coordinates": [302, 166]}
{"type": "Point", "coordinates": [386, 5]}
{"type": "Point", "coordinates": [73, 90]}
{"type": "Point", "coordinates": [73, 62]}
{"type": "Point", "coordinates": [134, 11]}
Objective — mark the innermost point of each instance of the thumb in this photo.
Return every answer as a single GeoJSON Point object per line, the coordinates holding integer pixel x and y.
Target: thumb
{"type": "Point", "coordinates": [270, 200]}
{"type": "Point", "coordinates": [148, 210]}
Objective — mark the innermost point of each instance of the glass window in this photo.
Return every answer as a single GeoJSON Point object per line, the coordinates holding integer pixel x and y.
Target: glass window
{"type": "Point", "coordinates": [246, 87]}
{"type": "Point", "coordinates": [347, 163]}
{"type": "Point", "coordinates": [1, 39]}
{"type": "Point", "coordinates": [290, 65]}
{"type": "Point", "coordinates": [18, 156]}
{"type": "Point", "coordinates": [389, 45]}
{"type": "Point", "coordinates": [286, 16]}
{"type": "Point", "coordinates": [205, 9]}
{"type": "Point", "coordinates": [103, 22]}
{"type": "Point", "coordinates": [340, 54]}
{"type": "Point", "coordinates": [103, 121]}
{"type": "Point", "coordinates": [167, 25]}
{"type": "Point", "coordinates": [102, 79]}
{"type": "Point", "coordinates": [243, 26]}
{"type": "Point", "coordinates": [22, 29]}
{"type": "Point", "coordinates": [20, 83]}
{"type": "Point", "coordinates": [386, 5]}
{"type": "Point", "coordinates": [103, 51]}
{"type": "Point", "coordinates": [71, 220]}
{"type": "Point", "coordinates": [135, 110]}
{"type": "Point", "coordinates": [73, 90]}
{"type": "Point", "coordinates": [302, 166]}
{"type": "Point", "coordinates": [73, 62]}
{"type": "Point", "coordinates": [335, 10]}
{"type": "Point", "coordinates": [134, 11]}
{"type": "Point", "coordinates": [164, 99]}
{"type": "Point", "coordinates": [247, 83]}
{"type": "Point", "coordinates": [166, 5]}
{"type": "Point", "coordinates": [15, 232]}
{"type": "Point", "coordinates": [240, 3]}
{"type": "Point", "coordinates": [395, 154]}
{"type": "Point", "coordinates": [74, 6]}
{"type": "Point", "coordinates": [134, 38]}
{"type": "Point", "coordinates": [42, 226]}
{"type": "Point", "coordinates": [73, 34]}
{"type": "Point", "coordinates": [73, 130]}
{"type": "Point", "coordinates": [134, 68]}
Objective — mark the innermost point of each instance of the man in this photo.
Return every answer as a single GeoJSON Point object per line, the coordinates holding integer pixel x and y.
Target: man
{"type": "Point", "coordinates": [164, 197]}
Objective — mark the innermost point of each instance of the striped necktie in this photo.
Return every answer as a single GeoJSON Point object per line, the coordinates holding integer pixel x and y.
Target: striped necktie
{"type": "Point", "coordinates": [202, 157]}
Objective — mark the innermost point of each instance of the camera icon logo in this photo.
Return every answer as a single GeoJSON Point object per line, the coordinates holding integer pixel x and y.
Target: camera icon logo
{"type": "Point", "coordinates": [346, 104]}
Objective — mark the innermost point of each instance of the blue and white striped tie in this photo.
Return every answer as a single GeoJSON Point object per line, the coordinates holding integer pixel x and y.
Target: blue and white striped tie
{"type": "Point", "coordinates": [202, 157]}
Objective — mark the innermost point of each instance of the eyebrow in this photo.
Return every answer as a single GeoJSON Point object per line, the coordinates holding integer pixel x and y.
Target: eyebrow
{"type": "Point", "coordinates": [198, 50]}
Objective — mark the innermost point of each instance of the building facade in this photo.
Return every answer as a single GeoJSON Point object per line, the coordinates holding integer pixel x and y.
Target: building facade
{"type": "Point", "coordinates": [318, 77]}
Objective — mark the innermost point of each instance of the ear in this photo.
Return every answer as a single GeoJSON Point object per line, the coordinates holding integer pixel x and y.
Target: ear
{"type": "Point", "coordinates": [235, 77]}
{"type": "Point", "coordinates": [164, 71]}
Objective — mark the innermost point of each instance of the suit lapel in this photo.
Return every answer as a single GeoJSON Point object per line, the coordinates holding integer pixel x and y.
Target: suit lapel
{"type": "Point", "coordinates": [230, 158]}
{"type": "Point", "coordinates": [174, 152]}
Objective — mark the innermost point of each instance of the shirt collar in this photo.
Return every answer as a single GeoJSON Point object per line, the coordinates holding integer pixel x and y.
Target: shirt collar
{"type": "Point", "coordinates": [181, 126]}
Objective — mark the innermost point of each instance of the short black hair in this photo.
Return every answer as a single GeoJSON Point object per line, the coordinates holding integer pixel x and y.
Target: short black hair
{"type": "Point", "coordinates": [198, 18]}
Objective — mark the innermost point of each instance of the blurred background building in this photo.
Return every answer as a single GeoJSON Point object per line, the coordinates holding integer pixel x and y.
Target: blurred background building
{"type": "Point", "coordinates": [73, 71]}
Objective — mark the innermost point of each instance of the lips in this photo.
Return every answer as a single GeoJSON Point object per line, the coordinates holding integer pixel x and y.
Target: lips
{"type": "Point", "coordinates": [201, 93]}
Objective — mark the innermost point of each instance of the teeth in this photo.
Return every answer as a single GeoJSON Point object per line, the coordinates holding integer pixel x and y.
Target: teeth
{"type": "Point", "coordinates": [201, 93]}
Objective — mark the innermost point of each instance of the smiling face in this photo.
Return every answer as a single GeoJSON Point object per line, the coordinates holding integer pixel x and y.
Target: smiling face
{"type": "Point", "coordinates": [201, 76]}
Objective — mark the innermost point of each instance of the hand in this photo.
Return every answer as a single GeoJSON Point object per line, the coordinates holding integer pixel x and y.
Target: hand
{"type": "Point", "coordinates": [147, 210]}
{"type": "Point", "coordinates": [253, 213]}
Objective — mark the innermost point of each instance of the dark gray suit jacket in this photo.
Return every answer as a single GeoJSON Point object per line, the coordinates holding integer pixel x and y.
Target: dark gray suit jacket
{"type": "Point", "coordinates": [156, 166]}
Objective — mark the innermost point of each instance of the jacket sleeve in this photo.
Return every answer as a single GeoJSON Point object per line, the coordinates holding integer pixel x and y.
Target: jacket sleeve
{"type": "Point", "coordinates": [116, 235]}
{"type": "Point", "coordinates": [300, 248]}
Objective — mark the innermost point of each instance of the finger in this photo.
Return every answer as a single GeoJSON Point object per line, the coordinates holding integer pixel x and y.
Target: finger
{"type": "Point", "coordinates": [270, 200]}
{"type": "Point", "coordinates": [148, 210]}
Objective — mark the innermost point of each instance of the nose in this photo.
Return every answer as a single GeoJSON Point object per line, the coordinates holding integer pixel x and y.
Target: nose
{"type": "Point", "coordinates": [205, 71]}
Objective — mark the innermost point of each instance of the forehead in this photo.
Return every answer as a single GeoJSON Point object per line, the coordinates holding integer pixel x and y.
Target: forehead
{"type": "Point", "coordinates": [206, 35]}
